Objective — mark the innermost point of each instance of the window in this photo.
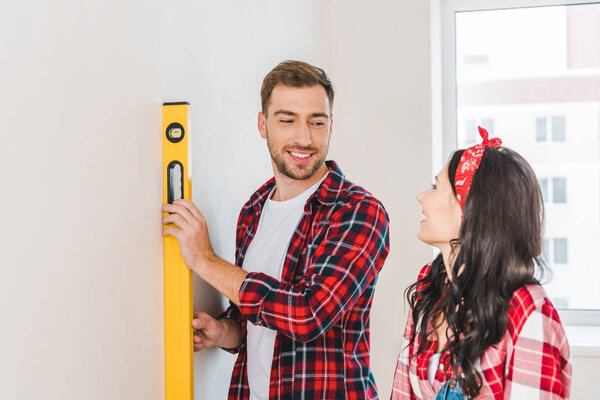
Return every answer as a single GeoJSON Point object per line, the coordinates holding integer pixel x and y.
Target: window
{"type": "Point", "coordinates": [561, 302]}
{"type": "Point", "coordinates": [559, 190]}
{"type": "Point", "coordinates": [558, 129]}
{"type": "Point", "coordinates": [533, 85]}
{"type": "Point", "coordinates": [544, 187]}
{"type": "Point", "coordinates": [541, 130]}
{"type": "Point", "coordinates": [560, 251]}
{"type": "Point", "coordinates": [555, 251]}
{"type": "Point", "coordinates": [552, 128]}
{"type": "Point", "coordinates": [554, 190]}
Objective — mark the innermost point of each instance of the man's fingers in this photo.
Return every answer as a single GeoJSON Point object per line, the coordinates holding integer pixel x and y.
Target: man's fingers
{"type": "Point", "coordinates": [177, 208]}
{"type": "Point", "coordinates": [191, 207]}
{"type": "Point", "coordinates": [171, 230]}
{"type": "Point", "coordinates": [177, 220]}
{"type": "Point", "coordinates": [202, 320]}
{"type": "Point", "coordinates": [196, 324]}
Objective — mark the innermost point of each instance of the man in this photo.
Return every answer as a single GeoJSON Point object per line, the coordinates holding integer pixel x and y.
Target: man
{"type": "Point", "coordinates": [309, 247]}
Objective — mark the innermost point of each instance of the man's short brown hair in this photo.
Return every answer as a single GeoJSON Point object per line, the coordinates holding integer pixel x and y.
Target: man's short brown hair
{"type": "Point", "coordinates": [295, 74]}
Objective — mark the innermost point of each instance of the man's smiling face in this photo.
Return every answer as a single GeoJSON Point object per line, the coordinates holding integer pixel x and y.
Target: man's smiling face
{"type": "Point", "coordinates": [297, 126]}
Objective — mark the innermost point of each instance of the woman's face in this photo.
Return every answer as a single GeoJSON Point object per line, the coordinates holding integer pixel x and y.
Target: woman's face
{"type": "Point", "coordinates": [441, 211]}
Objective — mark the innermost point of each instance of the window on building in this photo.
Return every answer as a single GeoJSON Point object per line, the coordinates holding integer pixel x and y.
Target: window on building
{"type": "Point", "coordinates": [558, 129]}
{"type": "Point", "coordinates": [559, 190]}
{"type": "Point", "coordinates": [560, 251]}
{"type": "Point", "coordinates": [561, 302]}
{"type": "Point", "coordinates": [544, 187]}
{"type": "Point", "coordinates": [555, 251]}
{"type": "Point", "coordinates": [554, 190]}
{"type": "Point", "coordinates": [541, 132]}
{"type": "Point", "coordinates": [550, 129]}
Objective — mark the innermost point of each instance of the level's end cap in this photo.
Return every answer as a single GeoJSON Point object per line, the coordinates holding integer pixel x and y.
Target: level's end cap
{"type": "Point", "coordinates": [176, 103]}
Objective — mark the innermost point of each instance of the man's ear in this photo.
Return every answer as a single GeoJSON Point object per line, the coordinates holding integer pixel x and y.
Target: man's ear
{"type": "Point", "coordinates": [262, 125]}
{"type": "Point", "coordinates": [331, 125]}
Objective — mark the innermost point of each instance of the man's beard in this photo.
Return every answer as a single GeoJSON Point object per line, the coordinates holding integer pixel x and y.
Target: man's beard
{"type": "Point", "coordinates": [303, 172]}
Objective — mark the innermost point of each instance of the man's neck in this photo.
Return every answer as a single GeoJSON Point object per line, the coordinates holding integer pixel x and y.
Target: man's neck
{"type": "Point", "coordinates": [287, 188]}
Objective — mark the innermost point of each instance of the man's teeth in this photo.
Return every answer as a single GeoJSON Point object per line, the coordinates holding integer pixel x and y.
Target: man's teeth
{"type": "Point", "coordinates": [299, 155]}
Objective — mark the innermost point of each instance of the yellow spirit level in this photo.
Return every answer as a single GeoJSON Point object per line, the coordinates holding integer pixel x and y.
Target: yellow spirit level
{"type": "Point", "coordinates": [177, 184]}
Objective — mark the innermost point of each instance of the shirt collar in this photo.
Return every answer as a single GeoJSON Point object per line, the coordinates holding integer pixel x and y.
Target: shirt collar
{"type": "Point", "coordinates": [326, 194]}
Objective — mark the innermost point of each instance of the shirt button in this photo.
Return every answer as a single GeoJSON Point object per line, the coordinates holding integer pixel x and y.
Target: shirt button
{"type": "Point", "coordinates": [441, 367]}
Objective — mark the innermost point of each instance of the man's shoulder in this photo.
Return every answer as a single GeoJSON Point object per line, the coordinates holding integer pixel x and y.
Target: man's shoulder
{"type": "Point", "coordinates": [342, 193]}
{"type": "Point", "coordinates": [352, 193]}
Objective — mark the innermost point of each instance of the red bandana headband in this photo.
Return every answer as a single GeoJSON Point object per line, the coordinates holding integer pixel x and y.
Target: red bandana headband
{"type": "Point", "coordinates": [468, 164]}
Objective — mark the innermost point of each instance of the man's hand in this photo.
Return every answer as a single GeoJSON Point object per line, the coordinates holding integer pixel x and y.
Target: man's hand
{"type": "Point", "coordinates": [207, 331]}
{"type": "Point", "coordinates": [210, 332]}
{"type": "Point", "coordinates": [191, 232]}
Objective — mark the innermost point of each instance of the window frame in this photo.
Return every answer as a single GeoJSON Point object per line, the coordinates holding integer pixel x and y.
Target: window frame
{"type": "Point", "coordinates": [445, 135]}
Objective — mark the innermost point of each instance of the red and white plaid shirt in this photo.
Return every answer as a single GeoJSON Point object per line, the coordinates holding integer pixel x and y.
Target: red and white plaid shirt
{"type": "Point", "coordinates": [530, 362]}
{"type": "Point", "coordinates": [320, 308]}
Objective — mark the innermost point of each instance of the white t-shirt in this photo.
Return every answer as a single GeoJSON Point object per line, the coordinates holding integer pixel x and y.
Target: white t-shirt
{"type": "Point", "coordinates": [432, 366]}
{"type": "Point", "coordinates": [266, 253]}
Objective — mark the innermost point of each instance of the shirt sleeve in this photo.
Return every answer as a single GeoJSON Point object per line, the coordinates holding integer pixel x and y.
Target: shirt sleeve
{"type": "Point", "coordinates": [540, 367]}
{"type": "Point", "coordinates": [401, 387]}
{"type": "Point", "coordinates": [343, 265]}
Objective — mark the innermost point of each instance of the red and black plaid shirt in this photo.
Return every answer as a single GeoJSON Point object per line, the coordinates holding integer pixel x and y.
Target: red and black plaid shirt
{"type": "Point", "coordinates": [320, 308]}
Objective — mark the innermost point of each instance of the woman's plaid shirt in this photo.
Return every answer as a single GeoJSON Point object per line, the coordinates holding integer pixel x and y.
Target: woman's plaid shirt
{"type": "Point", "coordinates": [320, 308]}
{"type": "Point", "coordinates": [530, 362]}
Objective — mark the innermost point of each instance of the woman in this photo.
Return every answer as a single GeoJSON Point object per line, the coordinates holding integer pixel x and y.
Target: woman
{"type": "Point", "coordinates": [480, 324]}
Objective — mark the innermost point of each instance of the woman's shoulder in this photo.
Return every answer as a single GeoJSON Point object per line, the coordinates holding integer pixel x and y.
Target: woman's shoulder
{"type": "Point", "coordinates": [530, 305]}
{"type": "Point", "coordinates": [424, 271]}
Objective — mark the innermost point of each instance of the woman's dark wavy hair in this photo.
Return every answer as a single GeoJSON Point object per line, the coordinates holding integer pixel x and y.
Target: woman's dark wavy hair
{"type": "Point", "coordinates": [499, 244]}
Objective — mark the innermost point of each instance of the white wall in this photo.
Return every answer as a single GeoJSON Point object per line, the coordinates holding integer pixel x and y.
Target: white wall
{"type": "Point", "coordinates": [380, 64]}
{"type": "Point", "coordinates": [80, 104]}
{"type": "Point", "coordinates": [81, 285]}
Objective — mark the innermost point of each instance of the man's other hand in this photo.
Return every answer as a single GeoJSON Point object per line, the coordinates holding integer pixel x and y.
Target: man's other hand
{"type": "Point", "coordinates": [207, 331]}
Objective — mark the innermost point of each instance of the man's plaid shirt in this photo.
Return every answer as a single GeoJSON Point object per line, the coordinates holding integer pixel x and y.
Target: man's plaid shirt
{"type": "Point", "coordinates": [530, 362]}
{"type": "Point", "coordinates": [321, 307]}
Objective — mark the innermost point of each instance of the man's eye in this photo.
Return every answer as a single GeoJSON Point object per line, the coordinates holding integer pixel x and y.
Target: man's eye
{"type": "Point", "coordinates": [318, 123]}
{"type": "Point", "coordinates": [287, 121]}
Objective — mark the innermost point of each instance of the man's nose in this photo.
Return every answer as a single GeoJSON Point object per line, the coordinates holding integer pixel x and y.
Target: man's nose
{"type": "Point", "coordinates": [302, 135]}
